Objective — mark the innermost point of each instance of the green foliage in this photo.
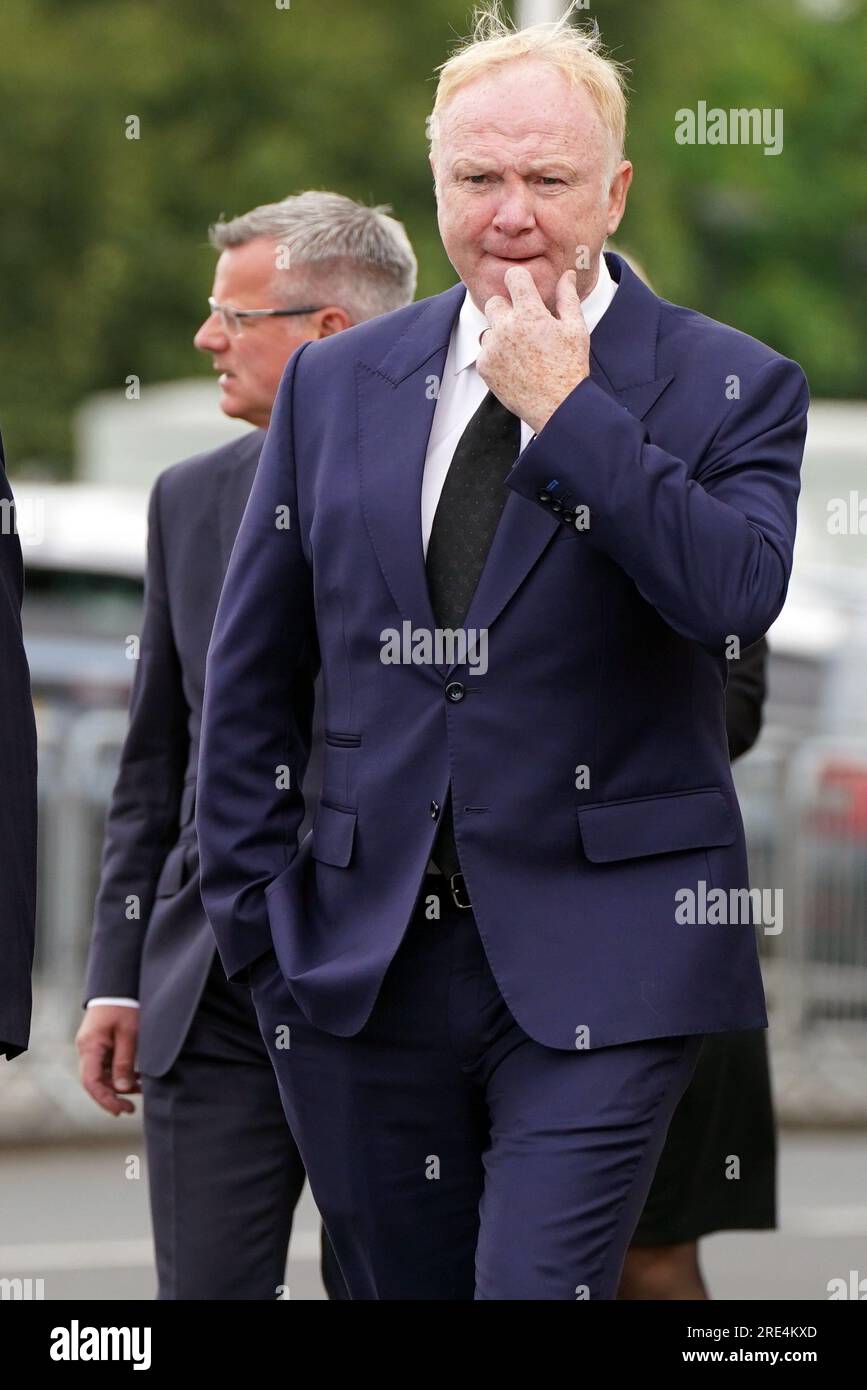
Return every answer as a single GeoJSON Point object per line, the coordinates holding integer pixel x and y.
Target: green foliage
{"type": "Point", "coordinates": [104, 261]}
{"type": "Point", "coordinates": [776, 245]}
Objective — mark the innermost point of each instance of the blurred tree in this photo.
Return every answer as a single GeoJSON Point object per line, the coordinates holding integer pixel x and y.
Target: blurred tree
{"type": "Point", "coordinates": [774, 244]}
{"type": "Point", "coordinates": [104, 262]}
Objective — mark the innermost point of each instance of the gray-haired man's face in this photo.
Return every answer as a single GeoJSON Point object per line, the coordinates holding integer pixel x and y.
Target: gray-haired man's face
{"type": "Point", "coordinates": [251, 362]}
{"type": "Point", "coordinates": [522, 176]}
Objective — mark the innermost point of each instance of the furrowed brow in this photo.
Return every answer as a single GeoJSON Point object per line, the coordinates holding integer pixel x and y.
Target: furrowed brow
{"type": "Point", "coordinates": [467, 164]}
{"type": "Point", "coordinates": [551, 168]}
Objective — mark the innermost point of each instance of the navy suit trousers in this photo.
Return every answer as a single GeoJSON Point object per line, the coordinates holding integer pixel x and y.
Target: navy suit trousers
{"type": "Point", "coordinates": [451, 1155]}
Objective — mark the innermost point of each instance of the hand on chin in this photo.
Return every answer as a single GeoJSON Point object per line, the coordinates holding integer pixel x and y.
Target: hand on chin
{"type": "Point", "coordinates": [496, 284]}
{"type": "Point", "coordinates": [545, 283]}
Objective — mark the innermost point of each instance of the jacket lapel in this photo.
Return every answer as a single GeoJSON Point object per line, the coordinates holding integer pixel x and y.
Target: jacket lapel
{"type": "Point", "coordinates": [623, 346]}
{"type": "Point", "coordinates": [396, 402]}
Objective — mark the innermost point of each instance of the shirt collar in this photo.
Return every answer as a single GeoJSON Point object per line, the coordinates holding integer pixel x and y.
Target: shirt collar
{"type": "Point", "coordinates": [471, 321]}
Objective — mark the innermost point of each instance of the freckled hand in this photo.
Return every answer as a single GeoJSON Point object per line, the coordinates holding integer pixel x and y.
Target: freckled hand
{"type": "Point", "coordinates": [532, 359]}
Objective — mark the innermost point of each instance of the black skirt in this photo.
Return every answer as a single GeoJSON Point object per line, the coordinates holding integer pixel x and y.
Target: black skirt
{"type": "Point", "coordinates": [724, 1124]}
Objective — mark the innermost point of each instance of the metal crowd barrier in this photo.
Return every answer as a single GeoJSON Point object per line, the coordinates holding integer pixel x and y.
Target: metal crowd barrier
{"type": "Point", "coordinates": [816, 967]}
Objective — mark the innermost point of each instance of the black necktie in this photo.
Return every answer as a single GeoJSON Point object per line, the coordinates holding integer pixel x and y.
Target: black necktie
{"type": "Point", "coordinates": [464, 523]}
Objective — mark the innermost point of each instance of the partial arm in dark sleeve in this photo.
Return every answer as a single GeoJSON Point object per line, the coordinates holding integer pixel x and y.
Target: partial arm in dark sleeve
{"type": "Point", "coordinates": [17, 795]}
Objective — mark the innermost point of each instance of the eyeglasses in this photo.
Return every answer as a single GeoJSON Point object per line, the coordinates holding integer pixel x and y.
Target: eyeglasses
{"type": "Point", "coordinates": [233, 319]}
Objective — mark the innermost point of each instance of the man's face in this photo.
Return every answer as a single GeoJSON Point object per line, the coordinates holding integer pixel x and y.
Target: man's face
{"type": "Point", "coordinates": [522, 171]}
{"type": "Point", "coordinates": [251, 362]}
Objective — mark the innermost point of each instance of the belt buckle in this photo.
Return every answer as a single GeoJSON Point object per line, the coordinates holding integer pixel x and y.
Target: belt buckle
{"type": "Point", "coordinates": [456, 890]}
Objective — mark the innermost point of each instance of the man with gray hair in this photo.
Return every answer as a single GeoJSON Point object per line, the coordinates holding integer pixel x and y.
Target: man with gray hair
{"type": "Point", "coordinates": [225, 1174]}
{"type": "Point", "coordinates": [349, 263]}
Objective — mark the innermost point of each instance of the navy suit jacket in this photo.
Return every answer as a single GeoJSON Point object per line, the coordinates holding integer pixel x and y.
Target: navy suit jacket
{"type": "Point", "coordinates": [159, 948]}
{"type": "Point", "coordinates": [606, 650]}
{"type": "Point", "coordinates": [17, 794]}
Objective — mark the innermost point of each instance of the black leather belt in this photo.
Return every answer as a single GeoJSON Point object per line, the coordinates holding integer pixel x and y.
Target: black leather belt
{"type": "Point", "coordinates": [457, 885]}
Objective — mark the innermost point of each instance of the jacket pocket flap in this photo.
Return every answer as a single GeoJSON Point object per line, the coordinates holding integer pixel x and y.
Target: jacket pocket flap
{"type": "Point", "coordinates": [173, 874]}
{"type": "Point", "coordinates": [333, 835]}
{"type": "Point", "coordinates": [656, 825]}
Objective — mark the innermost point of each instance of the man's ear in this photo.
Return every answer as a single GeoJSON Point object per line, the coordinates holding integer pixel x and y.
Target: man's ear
{"type": "Point", "coordinates": [618, 189]}
{"type": "Point", "coordinates": [334, 320]}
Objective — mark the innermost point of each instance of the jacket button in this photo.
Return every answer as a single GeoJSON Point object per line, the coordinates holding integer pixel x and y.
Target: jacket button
{"type": "Point", "coordinates": [568, 517]}
{"type": "Point", "coordinates": [556, 506]}
{"type": "Point", "coordinates": [434, 810]}
{"type": "Point", "coordinates": [543, 496]}
{"type": "Point", "coordinates": [455, 691]}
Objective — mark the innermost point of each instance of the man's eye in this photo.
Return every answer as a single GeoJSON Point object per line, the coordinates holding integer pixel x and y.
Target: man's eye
{"type": "Point", "coordinates": [474, 178]}
{"type": "Point", "coordinates": [549, 178]}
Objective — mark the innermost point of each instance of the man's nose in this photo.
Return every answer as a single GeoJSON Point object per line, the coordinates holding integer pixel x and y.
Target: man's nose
{"type": "Point", "coordinates": [515, 209]}
{"type": "Point", "coordinates": [212, 336]}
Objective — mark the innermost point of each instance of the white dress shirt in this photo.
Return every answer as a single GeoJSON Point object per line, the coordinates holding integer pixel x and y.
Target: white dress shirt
{"type": "Point", "coordinates": [462, 391]}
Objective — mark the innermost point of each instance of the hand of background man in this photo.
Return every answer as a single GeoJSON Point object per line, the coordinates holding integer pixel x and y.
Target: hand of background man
{"type": "Point", "coordinates": [106, 1043]}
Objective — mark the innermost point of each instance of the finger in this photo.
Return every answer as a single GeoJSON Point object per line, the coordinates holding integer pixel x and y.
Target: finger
{"type": "Point", "coordinates": [94, 1071]}
{"type": "Point", "coordinates": [108, 1100]}
{"type": "Point", "coordinates": [522, 287]}
{"type": "Point", "coordinates": [496, 307]}
{"type": "Point", "coordinates": [566, 297]}
{"type": "Point", "coordinates": [123, 1068]}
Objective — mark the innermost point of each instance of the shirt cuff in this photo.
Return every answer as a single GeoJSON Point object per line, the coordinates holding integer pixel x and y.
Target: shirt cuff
{"type": "Point", "coordinates": [111, 999]}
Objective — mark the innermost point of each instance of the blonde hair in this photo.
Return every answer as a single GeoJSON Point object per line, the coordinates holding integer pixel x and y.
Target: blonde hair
{"type": "Point", "coordinates": [576, 52]}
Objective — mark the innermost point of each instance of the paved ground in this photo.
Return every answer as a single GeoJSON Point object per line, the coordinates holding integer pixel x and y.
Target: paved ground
{"type": "Point", "coordinates": [70, 1216]}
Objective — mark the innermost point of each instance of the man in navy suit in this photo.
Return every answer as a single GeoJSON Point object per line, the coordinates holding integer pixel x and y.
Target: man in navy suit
{"type": "Point", "coordinates": [522, 565]}
{"type": "Point", "coordinates": [225, 1174]}
{"type": "Point", "coordinates": [17, 792]}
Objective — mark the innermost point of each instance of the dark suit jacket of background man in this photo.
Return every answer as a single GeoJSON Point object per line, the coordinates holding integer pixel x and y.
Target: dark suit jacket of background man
{"type": "Point", "coordinates": [162, 957]}
{"type": "Point", "coordinates": [17, 794]}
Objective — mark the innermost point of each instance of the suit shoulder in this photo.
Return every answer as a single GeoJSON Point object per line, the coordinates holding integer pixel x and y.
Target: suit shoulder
{"type": "Point", "coordinates": [687, 335]}
{"type": "Point", "coordinates": [206, 470]}
{"type": "Point", "coordinates": [373, 336]}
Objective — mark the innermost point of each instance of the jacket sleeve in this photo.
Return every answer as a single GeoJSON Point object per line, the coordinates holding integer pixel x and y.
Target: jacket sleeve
{"type": "Point", "coordinates": [17, 795]}
{"type": "Point", "coordinates": [142, 821]}
{"type": "Point", "coordinates": [745, 696]}
{"type": "Point", "coordinates": [711, 552]}
{"type": "Point", "coordinates": [256, 725]}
